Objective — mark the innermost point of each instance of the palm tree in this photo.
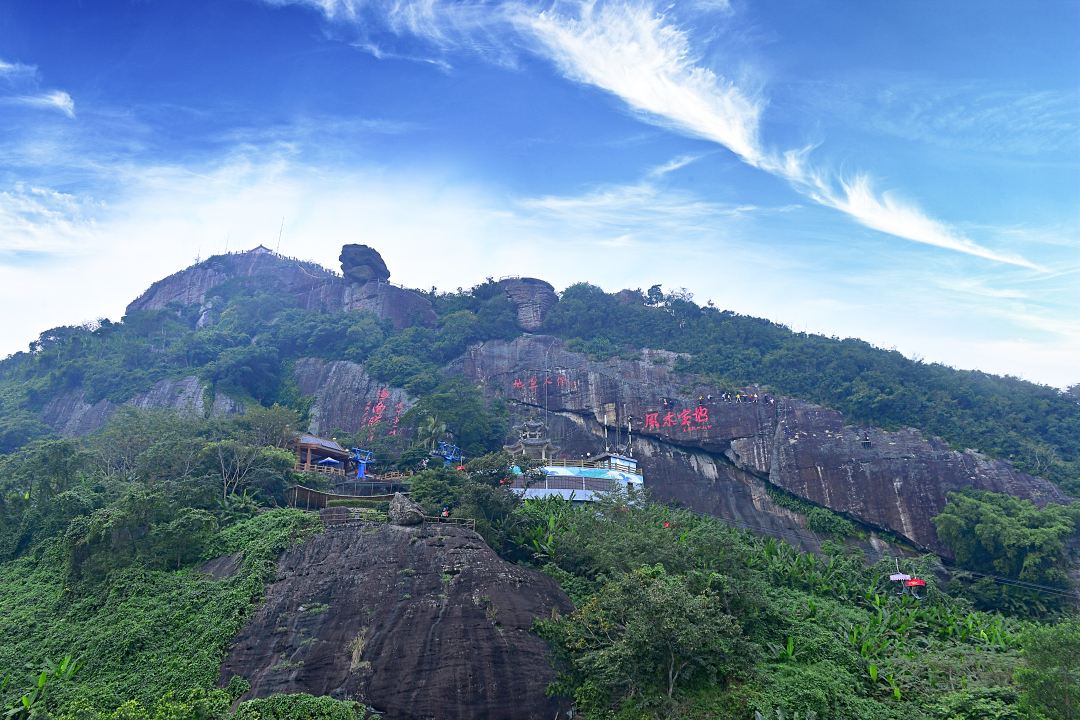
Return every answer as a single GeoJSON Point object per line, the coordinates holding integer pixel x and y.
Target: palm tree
{"type": "Point", "coordinates": [431, 431]}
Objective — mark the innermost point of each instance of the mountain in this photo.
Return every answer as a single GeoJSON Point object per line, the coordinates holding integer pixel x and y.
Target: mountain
{"type": "Point", "coordinates": [893, 480]}
{"type": "Point", "coordinates": [145, 464]}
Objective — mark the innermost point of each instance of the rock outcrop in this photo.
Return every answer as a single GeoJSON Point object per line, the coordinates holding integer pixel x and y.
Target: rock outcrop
{"type": "Point", "coordinates": [532, 298]}
{"type": "Point", "coordinates": [346, 398]}
{"type": "Point", "coordinates": [195, 285]}
{"type": "Point", "coordinates": [420, 622]}
{"type": "Point", "coordinates": [362, 264]}
{"type": "Point", "coordinates": [404, 511]}
{"type": "Point", "coordinates": [71, 414]}
{"type": "Point", "coordinates": [716, 456]}
{"type": "Point", "coordinates": [312, 287]}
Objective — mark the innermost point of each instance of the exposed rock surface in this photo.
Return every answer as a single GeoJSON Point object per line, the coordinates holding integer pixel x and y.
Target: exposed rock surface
{"type": "Point", "coordinates": [532, 297]}
{"type": "Point", "coordinates": [714, 456]}
{"type": "Point", "coordinates": [404, 511]}
{"type": "Point", "coordinates": [423, 622]}
{"type": "Point", "coordinates": [312, 287]}
{"type": "Point", "coordinates": [71, 414]}
{"type": "Point", "coordinates": [347, 398]}
{"type": "Point", "coordinates": [361, 264]}
{"type": "Point", "coordinates": [194, 285]}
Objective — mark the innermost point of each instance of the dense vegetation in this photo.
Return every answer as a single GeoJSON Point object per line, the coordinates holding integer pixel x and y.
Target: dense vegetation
{"type": "Point", "coordinates": [1034, 426]}
{"type": "Point", "coordinates": [999, 535]}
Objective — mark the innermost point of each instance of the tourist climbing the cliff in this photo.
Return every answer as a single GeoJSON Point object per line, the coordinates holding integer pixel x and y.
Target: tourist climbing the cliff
{"type": "Point", "coordinates": [445, 514]}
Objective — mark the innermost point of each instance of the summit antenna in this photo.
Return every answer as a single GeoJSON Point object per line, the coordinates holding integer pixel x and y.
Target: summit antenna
{"type": "Point", "coordinates": [279, 232]}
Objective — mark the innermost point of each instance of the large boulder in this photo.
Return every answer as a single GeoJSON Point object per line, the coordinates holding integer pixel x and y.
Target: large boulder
{"type": "Point", "coordinates": [404, 511]}
{"type": "Point", "coordinates": [532, 298]}
{"type": "Point", "coordinates": [362, 264]}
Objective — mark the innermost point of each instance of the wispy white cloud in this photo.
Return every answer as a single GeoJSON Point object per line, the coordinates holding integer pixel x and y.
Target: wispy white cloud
{"type": "Point", "coordinates": [42, 221]}
{"type": "Point", "coordinates": [473, 25]}
{"type": "Point", "coordinates": [22, 87]}
{"type": "Point", "coordinates": [633, 52]}
{"type": "Point", "coordinates": [51, 100]}
{"type": "Point", "coordinates": [673, 165]}
{"type": "Point", "coordinates": [12, 70]}
{"type": "Point", "coordinates": [636, 53]}
{"type": "Point", "coordinates": [889, 214]}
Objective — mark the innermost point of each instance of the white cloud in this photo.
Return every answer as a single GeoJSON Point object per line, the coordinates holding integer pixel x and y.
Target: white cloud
{"type": "Point", "coordinates": [39, 220]}
{"type": "Point", "coordinates": [888, 214]}
{"type": "Point", "coordinates": [630, 51]}
{"type": "Point", "coordinates": [12, 70]}
{"type": "Point", "coordinates": [51, 100]}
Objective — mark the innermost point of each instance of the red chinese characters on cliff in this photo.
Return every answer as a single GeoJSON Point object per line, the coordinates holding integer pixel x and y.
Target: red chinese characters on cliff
{"type": "Point", "coordinates": [533, 383]}
{"type": "Point", "coordinates": [398, 409]}
{"type": "Point", "coordinates": [688, 420]}
{"type": "Point", "coordinates": [379, 408]}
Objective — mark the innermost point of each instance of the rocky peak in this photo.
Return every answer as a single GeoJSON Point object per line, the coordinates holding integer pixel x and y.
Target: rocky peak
{"type": "Point", "coordinates": [533, 299]}
{"type": "Point", "coordinates": [195, 285]}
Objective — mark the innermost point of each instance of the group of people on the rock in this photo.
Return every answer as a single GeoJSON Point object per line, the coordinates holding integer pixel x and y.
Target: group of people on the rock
{"type": "Point", "coordinates": [740, 398]}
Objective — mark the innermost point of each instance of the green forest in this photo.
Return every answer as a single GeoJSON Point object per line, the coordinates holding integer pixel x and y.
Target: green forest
{"type": "Point", "coordinates": [107, 614]}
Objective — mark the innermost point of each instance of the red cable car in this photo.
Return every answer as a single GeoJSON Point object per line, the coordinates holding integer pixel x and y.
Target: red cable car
{"type": "Point", "coordinates": [914, 585]}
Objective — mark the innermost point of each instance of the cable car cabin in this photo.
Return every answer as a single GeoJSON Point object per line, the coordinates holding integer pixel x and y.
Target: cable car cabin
{"type": "Point", "coordinates": [916, 587]}
{"type": "Point", "coordinates": [316, 454]}
{"type": "Point", "coordinates": [582, 480]}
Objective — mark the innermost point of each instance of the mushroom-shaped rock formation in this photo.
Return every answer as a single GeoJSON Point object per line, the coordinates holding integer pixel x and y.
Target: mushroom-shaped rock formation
{"type": "Point", "coordinates": [362, 264]}
{"type": "Point", "coordinates": [532, 297]}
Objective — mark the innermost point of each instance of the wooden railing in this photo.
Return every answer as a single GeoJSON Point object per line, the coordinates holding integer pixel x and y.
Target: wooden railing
{"type": "Point", "coordinates": [465, 522]}
{"type": "Point", "coordinates": [324, 469]}
{"type": "Point", "coordinates": [345, 515]}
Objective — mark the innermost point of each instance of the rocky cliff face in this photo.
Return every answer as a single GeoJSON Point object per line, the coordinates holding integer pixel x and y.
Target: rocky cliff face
{"type": "Point", "coordinates": [422, 622]}
{"type": "Point", "coordinates": [71, 414]}
{"type": "Point", "coordinates": [715, 456]}
{"type": "Point", "coordinates": [346, 398]}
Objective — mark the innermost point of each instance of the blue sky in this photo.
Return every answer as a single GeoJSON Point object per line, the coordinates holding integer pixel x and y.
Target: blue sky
{"type": "Point", "coordinates": [907, 173]}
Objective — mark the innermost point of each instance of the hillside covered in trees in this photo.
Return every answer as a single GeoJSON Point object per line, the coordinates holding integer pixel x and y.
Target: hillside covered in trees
{"type": "Point", "coordinates": [105, 536]}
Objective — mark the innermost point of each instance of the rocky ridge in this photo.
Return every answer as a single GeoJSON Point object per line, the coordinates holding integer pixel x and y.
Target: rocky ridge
{"type": "Point", "coordinates": [716, 456]}
{"type": "Point", "coordinates": [364, 286]}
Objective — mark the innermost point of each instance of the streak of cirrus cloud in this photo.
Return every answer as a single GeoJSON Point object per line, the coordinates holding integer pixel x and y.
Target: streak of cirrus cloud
{"type": "Point", "coordinates": [631, 51]}
{"type": "Point", "coordinates": [19, 86]}
{"type": "Point", "coordinates": [635, 52]}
